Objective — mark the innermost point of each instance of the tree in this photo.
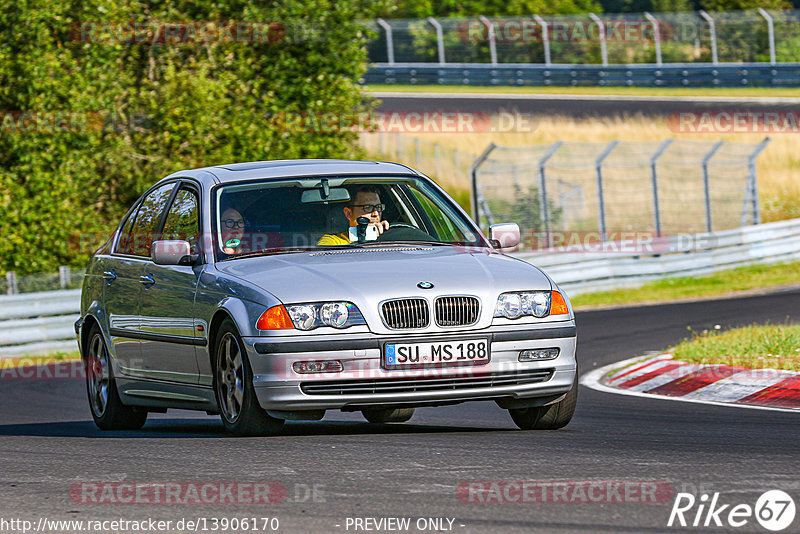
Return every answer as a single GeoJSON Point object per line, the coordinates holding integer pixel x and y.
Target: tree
{"type": "Point", "coordinates": [143, 108]}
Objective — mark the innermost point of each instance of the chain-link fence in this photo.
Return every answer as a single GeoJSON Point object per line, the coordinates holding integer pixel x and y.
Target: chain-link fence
{"type": "Point", "coordinates": [751, 36]}
{"type": "Point", "coordinates": [443, 163]}
{"type": "Point", "coordinates": [65, 278]}
{"type": "Point", "coordinates": [668, 188]}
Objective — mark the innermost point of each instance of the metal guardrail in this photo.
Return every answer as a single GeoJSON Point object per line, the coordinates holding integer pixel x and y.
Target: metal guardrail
{"type": "Point", "coordinates": [690, 255]}
{"type": "Point", "coordinates": [722, 48]}
{"type": "Point", "coordinates": [646, 75]}
{"type": "Point", "coordinates": [32, 323]}
{"type": "Point", "coordinates": [38, 322]}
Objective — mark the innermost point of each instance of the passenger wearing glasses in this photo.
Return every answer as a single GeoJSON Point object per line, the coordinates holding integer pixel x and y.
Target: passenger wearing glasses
{"type": "Point", "coordinates": [364, 202]}
{"type": "Point", "coordinates": [232, 230]}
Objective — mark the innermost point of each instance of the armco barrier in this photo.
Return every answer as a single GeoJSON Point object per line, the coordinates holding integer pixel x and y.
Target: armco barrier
{"type": "Point", "coordinates": [38, 322]}
{"type": "Point", "coordinates": [699, 254]}
{"type": "Point", "coordinates": [646, 75]}
{"type": "Point", "coordinates": [32, 323]}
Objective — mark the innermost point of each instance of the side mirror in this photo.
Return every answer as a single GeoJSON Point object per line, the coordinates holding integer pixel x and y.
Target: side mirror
{"type": "Point", "coordinates": [504, 235]}
{"type": "Point", "coordinates": [172, 252]}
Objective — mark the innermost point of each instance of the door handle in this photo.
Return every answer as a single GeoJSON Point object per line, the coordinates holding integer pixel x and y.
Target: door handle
{"type": "Point", "coordinates": [109, 276]}
{"type": "Point", "coordinates": [147, 280]}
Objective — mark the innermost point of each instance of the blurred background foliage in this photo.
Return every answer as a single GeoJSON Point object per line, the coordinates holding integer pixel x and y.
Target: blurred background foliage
{"type": "Point", "coordinates": [149, 109]}
{"type": "Point", "coordinates": [152, 109]}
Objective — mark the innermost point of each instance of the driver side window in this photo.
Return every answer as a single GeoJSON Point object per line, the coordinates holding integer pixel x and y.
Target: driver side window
{"type": "Point", "coordinates": [183, 222]}
{"type": "Point", "coordinates": [147, 219]}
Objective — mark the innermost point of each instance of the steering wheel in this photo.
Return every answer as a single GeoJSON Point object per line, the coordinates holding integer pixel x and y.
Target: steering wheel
{"type": "Point", "coordinates": [399, 231]}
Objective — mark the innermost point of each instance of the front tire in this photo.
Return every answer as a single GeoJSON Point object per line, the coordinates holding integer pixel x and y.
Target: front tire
{"type": "Point", "coordinates": [550, 417]}
{"type": "Point", "coordinates": [107, 409]}
{"type": "Point", "coordinates": [396, 415]}
{"type": "Point", "coordinates": [233, 384]}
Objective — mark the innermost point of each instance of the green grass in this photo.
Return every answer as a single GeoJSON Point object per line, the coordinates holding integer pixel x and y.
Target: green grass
{"type": "Point", "coordinates": [755, 347]}
{"type": "Point", "coordinates": [623, 91]}
{"type": "Point", "coordinates": [39, 359]}
{"type": "Point", "coordinates": [720, 283]}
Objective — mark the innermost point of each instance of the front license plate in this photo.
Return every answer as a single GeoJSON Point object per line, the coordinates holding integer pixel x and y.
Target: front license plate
{"type": "Point", "coordinates": [436, 354]}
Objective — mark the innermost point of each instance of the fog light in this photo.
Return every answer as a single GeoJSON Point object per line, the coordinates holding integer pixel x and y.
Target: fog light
{"type": "Point", "coordinates": [538, 354]}
{"type": "Point", "coordinates": [330, 366]}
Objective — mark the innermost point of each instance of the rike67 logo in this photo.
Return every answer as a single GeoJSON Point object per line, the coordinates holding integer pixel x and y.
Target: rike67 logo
{"type": "Point", "coordinates": [774, 510]}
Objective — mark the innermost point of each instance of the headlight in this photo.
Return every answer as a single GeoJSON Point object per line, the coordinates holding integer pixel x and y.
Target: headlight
{"type": "Point", "coordinates": [334, 314]}
{"type": "Point", "coordinates": [508, 305]}
{"type": "Point", "coordinates": [316, 314]}
{"type": "Point", "coordinates": [304, 316]}
{"type": "Point", "coordinates": [521, 303]}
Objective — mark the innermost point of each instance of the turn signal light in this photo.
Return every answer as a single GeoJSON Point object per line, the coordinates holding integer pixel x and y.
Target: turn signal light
{"type": "Point", "coordinates": [330, 366]}
{"type": "Point", "coordinates": [275, 318]}
{"type": "Point", "coordinates": [558, 306]}
{"type": "Point", "coordinates": [533, 355]}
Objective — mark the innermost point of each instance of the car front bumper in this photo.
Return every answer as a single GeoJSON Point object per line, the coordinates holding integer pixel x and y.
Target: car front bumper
{"type": "Point", "coordinates": [364, 383]}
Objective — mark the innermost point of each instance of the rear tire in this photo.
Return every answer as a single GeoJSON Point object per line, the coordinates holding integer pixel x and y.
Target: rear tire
{"type": "Point", "coordinates": [550, 417]}
{"type": "Point", "coordinates": [396, 415]}
{"type": "Point", "coordinates": [107, 409]}
{"type": "Point", "coordinates": [233, 385]}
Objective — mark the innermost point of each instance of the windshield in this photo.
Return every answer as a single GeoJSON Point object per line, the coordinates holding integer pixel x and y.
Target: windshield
{"type": "Point", "coordinates": [273, 217]}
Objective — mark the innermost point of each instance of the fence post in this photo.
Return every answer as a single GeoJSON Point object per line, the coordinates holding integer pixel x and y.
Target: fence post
{"type": "Point", "coordinates": [654, 178]}
{"type": "Point", "coordinates": [389, 40]}
{"type": "Point", "coordinates": [515, 176]}
{"type": "Point", "coordinates": [437, 160]}
{"type": "Point", "coordinates": [545, 38]}
{"type": "Point", "coordinates": [770, 33]}
{"type": "Point", "coordinates": [439, 38]}
{"type": "Point", "coordinates": [706, 188]}
{"type": "Point", "coordinates": [473, 173]}
{"type": "Point", "coordinates": [602, 29]}
{"type": "Point", "coordinates": [11, 280]}
{"type": "Point", "coordinates": [544, 213]}
{"type": "Point", "coordinates": [751, 168]}
{"type": "Point", "coordinates": [600, 199]}
{"type": "Point", "coordinates": [656, 35]}
{"type": "Point", "coordinates": [492, 40]}
{"type": "Point", "coordinates": [398, 143]}
{"type": "Point", "coordinates": [63, 277]}
{"type": "Point", "coordinates": [712, 29]}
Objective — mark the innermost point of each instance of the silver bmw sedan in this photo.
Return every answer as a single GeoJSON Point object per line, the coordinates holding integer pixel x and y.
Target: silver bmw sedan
{"type": "Point", "coordinates": [277, 290]}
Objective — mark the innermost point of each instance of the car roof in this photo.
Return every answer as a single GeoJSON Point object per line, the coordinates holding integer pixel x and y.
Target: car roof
{"type": "Point", "coordinates": [288, 168]}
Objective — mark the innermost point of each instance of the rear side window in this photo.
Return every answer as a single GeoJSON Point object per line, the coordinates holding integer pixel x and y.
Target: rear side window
{"type": "Point", "coordinates": [125, 242]}
{"type": "Point", "coordinates": [183, 221]}
{"type": "Point", "coordinates": [147, 218]}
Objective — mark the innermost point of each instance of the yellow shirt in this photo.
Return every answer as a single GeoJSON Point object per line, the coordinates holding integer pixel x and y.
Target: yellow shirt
{"type": "Point", "coordinates": [331, 239]}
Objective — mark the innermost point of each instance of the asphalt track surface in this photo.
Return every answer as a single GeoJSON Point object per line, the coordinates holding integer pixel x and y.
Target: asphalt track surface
{"type": "Point", "coordinates": [577, 106]}
{"type": "Point", "coordinates": [48, 443]}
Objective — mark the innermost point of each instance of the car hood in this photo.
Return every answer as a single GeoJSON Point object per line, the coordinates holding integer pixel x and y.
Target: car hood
{"type": "Point", "coordinates": [370, 275]}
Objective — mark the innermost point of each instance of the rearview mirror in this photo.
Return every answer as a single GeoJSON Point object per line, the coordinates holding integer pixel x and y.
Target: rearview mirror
{"type": "Point", "coordinates": [317, 196]}
{"type": "Point", "coordinates": [505, 235]}
{"type": "Point", "coordinates": [172, 252]}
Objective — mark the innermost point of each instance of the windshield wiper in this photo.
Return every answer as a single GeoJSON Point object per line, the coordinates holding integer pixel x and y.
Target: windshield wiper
{"type": "Point", "coordinates": [405, 243]}
{"type": "Point", "coordinates": [275, 250]}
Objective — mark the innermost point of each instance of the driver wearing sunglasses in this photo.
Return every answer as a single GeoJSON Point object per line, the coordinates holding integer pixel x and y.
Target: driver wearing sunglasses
{"type": "Point", "coordinates": [364, 202]}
